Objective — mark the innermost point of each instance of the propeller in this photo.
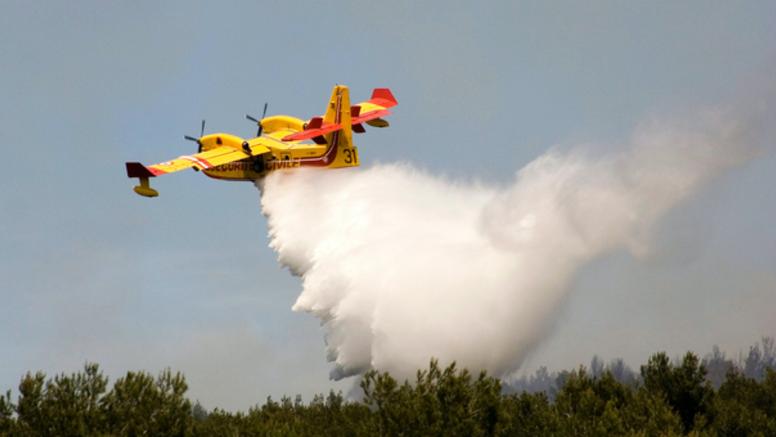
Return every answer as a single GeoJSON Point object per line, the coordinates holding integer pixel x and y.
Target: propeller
{"type": "Point", "coordinates": [258, 121]}
{"type": "Point", "coordinates": [197, 140]}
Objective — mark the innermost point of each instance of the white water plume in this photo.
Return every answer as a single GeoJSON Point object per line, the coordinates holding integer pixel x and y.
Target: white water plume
{"type": "Point", "coordinates": [402, 266]}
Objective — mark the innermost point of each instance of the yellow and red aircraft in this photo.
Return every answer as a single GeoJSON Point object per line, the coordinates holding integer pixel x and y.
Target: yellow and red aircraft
{"type": "Point", "coordinates": [280, 143]}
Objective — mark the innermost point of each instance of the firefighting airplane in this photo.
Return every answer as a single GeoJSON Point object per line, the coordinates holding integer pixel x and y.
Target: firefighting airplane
{"type": "Point", "coordinates": [279, 143]}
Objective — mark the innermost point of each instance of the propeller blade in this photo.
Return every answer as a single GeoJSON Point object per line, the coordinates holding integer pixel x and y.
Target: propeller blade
{"type": "Point", "coordinates": [263, 114]}
{"type": "Point", "coordinates": [258, 121]}
{"type": "Point", "coordinates": [197, 140]}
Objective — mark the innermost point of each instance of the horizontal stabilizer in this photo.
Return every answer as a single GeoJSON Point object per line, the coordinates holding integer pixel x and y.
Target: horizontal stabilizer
{"type": "Point", "coordinates": [315, 128]}
{"type": "Point", "coordinates": [378, 122]}
{"type": "Point", "coordinates": [371, 115]}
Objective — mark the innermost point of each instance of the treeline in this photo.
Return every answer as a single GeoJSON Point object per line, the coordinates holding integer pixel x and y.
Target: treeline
{"type": "Point", "coordinates": [761, 356]}
{"type": "Point", "coordinates": [666, 398]}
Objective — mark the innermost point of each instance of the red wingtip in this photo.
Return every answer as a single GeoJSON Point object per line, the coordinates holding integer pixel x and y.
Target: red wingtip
{"type": "Point", "coordinates": [383, 97]}
{"type": "Point", "coordinates": [138, 170]}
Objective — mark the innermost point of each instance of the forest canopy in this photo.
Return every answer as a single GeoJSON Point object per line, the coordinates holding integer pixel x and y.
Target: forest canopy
{"type": "Point", "coordinates": [687, 395]}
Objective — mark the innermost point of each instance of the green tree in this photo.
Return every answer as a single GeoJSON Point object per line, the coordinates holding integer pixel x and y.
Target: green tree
{"type": "Point", "coordinates": [220, 423]}
{"type": "Point", "coordinates": [30, 419]}
{"type": "Point", "coordinates": [745, 407]}
{"type": "Point", "coordinates": [198, 412]}
{"type": "Point", "coordinates": [684, 387]}
{"type": "Point", "coordinates": [70, 403]}
{"type": "Point", "coordinates": [530, 414]}
{"type": "Point", "coordinates": [138, 404]}
{"type": "Point", "coordinates": [441, 402]}
{"type": "Point", "coordinates": [7, 422]}
{"type": "Point", "coordinates": [391, 403]}
{"type": "Point", "coordinates": [649, 414]}
{"type": "Point", "coordinates": [588, 406]}
{"type": "Point", "coordinates": [332, 415]}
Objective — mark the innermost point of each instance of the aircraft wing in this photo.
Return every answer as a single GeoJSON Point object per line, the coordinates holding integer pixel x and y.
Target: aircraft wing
{"type": "Point", "coordinates": [200, 161]}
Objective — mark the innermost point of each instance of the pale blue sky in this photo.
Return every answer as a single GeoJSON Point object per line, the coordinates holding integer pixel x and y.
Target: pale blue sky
{"type": "Point", "coordinates": [90, 271]}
